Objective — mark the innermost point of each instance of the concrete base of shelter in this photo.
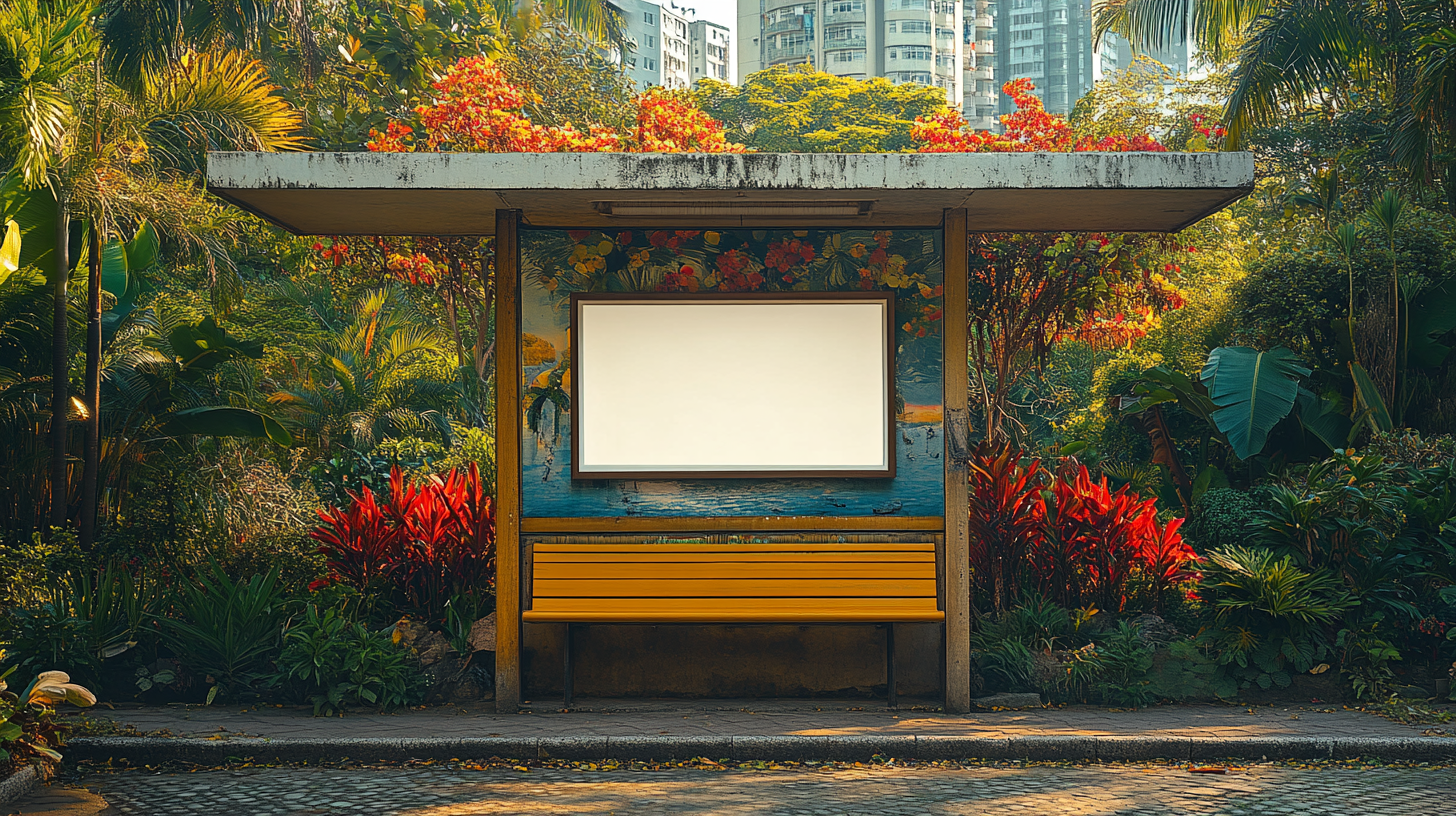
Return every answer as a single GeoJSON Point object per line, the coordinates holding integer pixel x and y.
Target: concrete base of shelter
{"type": "Point", "coordinates": [733, 661]}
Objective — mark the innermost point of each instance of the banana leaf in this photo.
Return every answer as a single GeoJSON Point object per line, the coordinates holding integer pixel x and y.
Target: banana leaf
{"type": "Point", "coordinates": [227, 421]}
{"type": "Point", "coordinates": [1253, 391]}
{"type": "Point", "coordinates": [1369, 396]}
{"type": "Point", "coordinates": [1431, 317]}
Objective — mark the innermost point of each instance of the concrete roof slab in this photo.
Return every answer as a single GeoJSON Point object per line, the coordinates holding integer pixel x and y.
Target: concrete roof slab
{"type": "Point", "coordinates": [458, 193]}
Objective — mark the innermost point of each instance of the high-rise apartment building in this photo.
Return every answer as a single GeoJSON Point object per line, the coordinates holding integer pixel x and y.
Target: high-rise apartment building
{"type": "Point", "coordinates": [710, 57]}
{"type": "Point", "coordinates": [979, 105]}
{"type": "Point", "coordinates": [1050, 43]}
{"type": "Point", "coordinates": [919, 41]}
{"type": "Point", "coordinates": [662, 41]}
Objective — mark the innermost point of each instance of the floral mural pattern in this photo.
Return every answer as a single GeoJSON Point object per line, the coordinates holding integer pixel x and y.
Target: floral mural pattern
{"type": "Point", "coordinates": [557, 263]}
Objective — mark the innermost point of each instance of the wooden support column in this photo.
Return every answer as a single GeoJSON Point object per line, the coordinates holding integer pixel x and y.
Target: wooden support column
{"type": "Point", "coordinates": [507, 461]}
{"type": "Point", "coordinates": [957, 385]}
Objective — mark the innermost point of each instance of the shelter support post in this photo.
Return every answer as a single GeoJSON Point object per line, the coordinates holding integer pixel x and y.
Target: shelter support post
{"type": "Point", "coordinates": [508, 461]}
{"type": "Point", "coordinates": [890, 664]}
{"type": "Point", "coordinates": [956, 379]}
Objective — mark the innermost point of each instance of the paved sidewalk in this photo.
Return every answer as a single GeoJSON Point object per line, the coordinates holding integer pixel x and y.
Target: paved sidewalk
{"type": "Point", "coordinates": [1150, 790]}
{"type": "Point", "coordinates": [765, 718]}
{"type": "Point", "coordinates": [757, 730]}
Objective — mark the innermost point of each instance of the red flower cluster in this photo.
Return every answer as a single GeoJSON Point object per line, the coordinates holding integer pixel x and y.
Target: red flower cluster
{"type": "Point", "coordinates": [1079, 541]}
{"type": "Point", "coordinates": [476, 109]}
{"type": "Point", "coordinates": [733, 274]}
{"type": "Point", "coordinates": [785, 255]}
{"type": "Point", "coordinates": [670, 240]}
{"type": "Point", "coordinates": [428, 541]}
{"type": "Point", "coordinates": [1209, 131]}
{"type": "Point", "coordinates": [417, 269]}
{"type": "Point", "coordinates": [335, 251]}
{"type": "Point", "coordinates": [1029, 129]}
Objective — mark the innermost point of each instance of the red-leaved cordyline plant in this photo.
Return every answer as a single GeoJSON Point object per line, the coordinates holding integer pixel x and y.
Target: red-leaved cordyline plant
{"type": "Point", "coordinates": [429, 541]}
{"type": "Point", "coordinates": [1006, 512]}
{"type": "Point", "coordinates": [1167, 558]}
{"type": "Point", "coordinates": [1075, 540]}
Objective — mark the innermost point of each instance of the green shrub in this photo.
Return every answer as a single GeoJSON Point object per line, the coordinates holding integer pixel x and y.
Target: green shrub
{"type": "Point", "coordinates": [1223, 517]}
{"type": "Point", "coordinates": [337, 663]}
{"type": "Point", "coordinates": [1124, 662]}
{"type": "Point", "coordinates": [1269, 615]}
{"type": "Point", "coordinates": [227, 629]}
{"type": "Point", "coordinates": [1183, 672]}
{"type": "Point", "coordinates": [50, 637]}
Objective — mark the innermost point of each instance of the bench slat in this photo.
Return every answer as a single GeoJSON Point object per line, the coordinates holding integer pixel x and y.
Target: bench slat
{"type": "Point", "coordinates": [552, 547]}
{"type": "Point", "coordinates": [747, 610]}
{"type": "Point", "coordinates": [740, 590]}
{"type": "Point", "coordinates": [680, 570]}
{"type": "Point", "coordinates": [732, 558]}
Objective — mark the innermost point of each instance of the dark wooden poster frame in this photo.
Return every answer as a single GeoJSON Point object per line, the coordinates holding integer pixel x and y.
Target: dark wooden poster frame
{"type": "Point", "coordinates": [884, 297]}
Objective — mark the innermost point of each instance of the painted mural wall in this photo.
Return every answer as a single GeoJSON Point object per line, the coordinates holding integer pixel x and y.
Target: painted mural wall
{"type": "Point", "coordinates": [556, 263]}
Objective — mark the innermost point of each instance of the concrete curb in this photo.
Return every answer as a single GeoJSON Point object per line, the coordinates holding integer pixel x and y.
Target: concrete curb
{"type": "Point", "coordinates": [20, 784]}
{"type": "Point", "coordinates": [155, 750]}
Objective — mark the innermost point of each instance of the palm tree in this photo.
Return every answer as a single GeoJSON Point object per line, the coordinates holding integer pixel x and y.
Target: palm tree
{"type": "Point", "coordinates": [114, 158]}
{"type": "Point", "coordinates": [371, 377]}
{"type": "Point", "coordinates": [1289, 53]}
{"type": "Point", "coordinates": [41, 50]}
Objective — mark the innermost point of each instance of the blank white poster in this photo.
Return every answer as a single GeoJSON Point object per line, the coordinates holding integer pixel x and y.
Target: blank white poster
{"type": "Point", "coordinates": [682, 385]}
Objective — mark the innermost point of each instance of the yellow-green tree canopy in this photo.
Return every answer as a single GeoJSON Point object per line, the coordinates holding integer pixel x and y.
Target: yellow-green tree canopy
{"type": "Point", "coordinates": [796, 109]}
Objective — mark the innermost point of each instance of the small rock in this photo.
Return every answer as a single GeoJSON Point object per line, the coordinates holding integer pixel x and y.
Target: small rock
{"type": "Point", "coordinates": [1010, 699]}
{"type": "Point", "coordinates": [1155, 631]}
{"type": "Point", "coordinates": [432, 647]}
{"type": "Point", "coordinates": [482, 634]}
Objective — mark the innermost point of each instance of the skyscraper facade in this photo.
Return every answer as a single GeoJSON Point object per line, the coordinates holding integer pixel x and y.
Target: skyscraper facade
{"type": "Point", "coordinates": [919, 41]}
{"type": "Point", "coordinates": [663, 45]}
{"type": "Point", "coordinates": [711, 54]}
{"type": "Point", "coordinates": [1050, 43]}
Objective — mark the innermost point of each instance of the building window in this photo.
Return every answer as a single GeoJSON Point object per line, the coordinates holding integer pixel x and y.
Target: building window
{"type": "Point", "coordinates": [912, 27]}
{"type": "Point", "coordinates": [647, 17]}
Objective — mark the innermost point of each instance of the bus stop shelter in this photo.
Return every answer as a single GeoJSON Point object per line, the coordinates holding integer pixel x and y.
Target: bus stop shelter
{"type": "Point", "coordinates": [592, 211]}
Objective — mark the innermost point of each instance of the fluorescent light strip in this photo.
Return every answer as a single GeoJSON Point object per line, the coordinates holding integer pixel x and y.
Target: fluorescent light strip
{"type": "Point", "coordinates": [717, 209]}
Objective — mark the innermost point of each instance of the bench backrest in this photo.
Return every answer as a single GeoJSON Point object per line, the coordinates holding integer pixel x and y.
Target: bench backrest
{"type": "Point", "coordinates": [734, 583]}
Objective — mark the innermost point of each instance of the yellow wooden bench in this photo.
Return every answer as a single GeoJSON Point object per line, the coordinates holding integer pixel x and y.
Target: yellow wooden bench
{"type": "Point", "coordinates": [881, 583]}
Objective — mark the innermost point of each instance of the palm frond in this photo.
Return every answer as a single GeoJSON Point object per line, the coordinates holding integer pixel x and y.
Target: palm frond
{"type": "Point", "coordinates": [1293, 54]}
{"type": "Point", "coordinates": [219, 101]}
{"type": "Point", "coordinates": [42, 46]}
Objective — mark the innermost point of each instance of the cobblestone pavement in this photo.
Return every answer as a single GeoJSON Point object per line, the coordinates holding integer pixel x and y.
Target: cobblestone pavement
{"type": "Point", "coordinates": [702, 718]}
{"type": "Point", "coordinates": [872, 790]}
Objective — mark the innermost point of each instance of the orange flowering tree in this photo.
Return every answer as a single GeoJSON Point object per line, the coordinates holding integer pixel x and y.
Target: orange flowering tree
{"type": "Point", "coordinates": [1029, 129]}
{"type": "Point", "coordinates": [475, 109]}
{"type": "Point", "coordinates": [1029, 291]}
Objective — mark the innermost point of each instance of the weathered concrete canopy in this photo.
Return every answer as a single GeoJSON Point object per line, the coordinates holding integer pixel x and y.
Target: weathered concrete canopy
{"type": "Point", "coordinates": [458, 193]}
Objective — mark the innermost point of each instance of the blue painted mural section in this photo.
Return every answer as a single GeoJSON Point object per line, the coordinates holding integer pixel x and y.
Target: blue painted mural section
{"type": "Point", "coordinates": [556, 263]}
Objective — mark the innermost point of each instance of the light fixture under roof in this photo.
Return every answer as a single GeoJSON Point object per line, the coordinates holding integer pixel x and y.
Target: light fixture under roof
{"type": "Point", "coordinates": [734, 209]}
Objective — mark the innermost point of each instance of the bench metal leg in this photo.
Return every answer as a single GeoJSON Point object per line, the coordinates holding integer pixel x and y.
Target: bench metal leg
{"type": "Point", "coordinates": [566, 668]}
{"type": "Point", "coordinates": [890, 662]}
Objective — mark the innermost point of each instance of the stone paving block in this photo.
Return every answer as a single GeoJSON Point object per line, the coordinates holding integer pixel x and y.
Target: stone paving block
{"type": "Point", "coordinates": [1415, 749]}
{"type": "Point", "coordinates": [1053, 746]}
{"type": "Point", "coordinates": [19, 784]}
{"type": "Point", "coordinates": [1139, 747]}
{"type": "Point", "coordinates": [669, 748]}
{"type": "Point", "coordinates": [487, 747]}
{"type": "Point", "coordinates": [937, 746]}
{"type": "Point", "coordinates": [1259, 747]}
{"type": "Point", "coordinates": [774, 748]}
{"type": "Point", "coordinates": [589, 748]}
{"type": "Point", "coordinates": [861, 748]}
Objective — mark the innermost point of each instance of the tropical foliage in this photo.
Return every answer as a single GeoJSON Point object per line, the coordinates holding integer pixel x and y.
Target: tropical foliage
{"type": "Point", "coordinates": [1214, 463]}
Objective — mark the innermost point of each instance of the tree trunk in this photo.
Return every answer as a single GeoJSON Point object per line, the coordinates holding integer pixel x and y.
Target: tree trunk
{"type": "Point", "coordinates": [93, 393]}
{"type": "Point", "coordinates": [60, 365]}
